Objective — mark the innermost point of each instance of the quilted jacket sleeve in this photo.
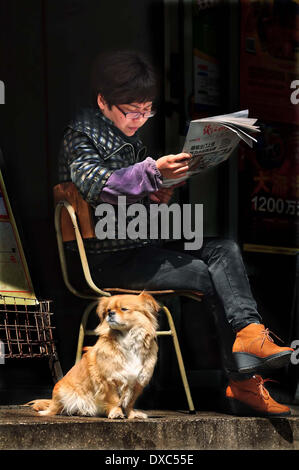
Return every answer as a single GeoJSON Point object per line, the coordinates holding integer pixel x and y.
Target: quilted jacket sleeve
{"type": "Point", "coordinates": [97, 183]}
{"type": "Point", "coordinates": [86, 165]}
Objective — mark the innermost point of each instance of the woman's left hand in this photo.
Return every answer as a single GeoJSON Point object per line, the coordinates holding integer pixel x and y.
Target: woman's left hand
{"type": "Point", "coordinates": [163, 195]}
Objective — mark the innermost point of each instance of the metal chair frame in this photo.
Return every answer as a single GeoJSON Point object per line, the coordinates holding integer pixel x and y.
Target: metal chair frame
{"type": "Point", "coordinates": [111, 291]}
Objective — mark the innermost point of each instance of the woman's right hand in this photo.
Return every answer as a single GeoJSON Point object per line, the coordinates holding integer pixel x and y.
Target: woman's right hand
{"type": "Point", "coordinates": [173, 166]}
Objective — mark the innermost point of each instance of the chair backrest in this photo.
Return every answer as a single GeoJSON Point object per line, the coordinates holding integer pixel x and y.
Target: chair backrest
{"type": "Point", "coordinates": [68, 192]}
{"type": "Point", "coordinates": [71, 211]}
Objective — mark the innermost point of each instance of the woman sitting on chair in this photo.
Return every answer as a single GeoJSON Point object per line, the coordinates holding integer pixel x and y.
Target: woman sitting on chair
{"type": "Point", "coordinates": [104, 157]}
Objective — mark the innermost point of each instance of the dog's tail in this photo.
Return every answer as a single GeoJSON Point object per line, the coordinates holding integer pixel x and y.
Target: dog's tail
{"type": "Point", "coordinates": [39, 405]}
{"type": "Point", "coordinates": [46, 407]}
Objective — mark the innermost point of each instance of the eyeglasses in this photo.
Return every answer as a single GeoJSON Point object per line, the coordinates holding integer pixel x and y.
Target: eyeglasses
{"type": "Point", "coordinates": [135, 114]}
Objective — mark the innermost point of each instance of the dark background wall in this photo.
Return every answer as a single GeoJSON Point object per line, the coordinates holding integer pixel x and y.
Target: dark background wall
{"type": "Point", "coordinates": [46, 50]}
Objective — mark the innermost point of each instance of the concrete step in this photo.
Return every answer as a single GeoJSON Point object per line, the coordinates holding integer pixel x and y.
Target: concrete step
{"type": "Point", "coordinates": [22, 429]}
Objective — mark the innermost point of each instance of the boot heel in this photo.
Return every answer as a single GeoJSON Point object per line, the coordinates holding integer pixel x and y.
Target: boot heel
{"type": "Point", "coordinates": [238, 408]}
{"type": "Point", "coordinates": [246, 363]}
{"type": "Point", "coordinates": [249, 363]}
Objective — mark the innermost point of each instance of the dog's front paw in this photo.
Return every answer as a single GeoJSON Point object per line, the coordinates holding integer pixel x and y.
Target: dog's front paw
{"type": "Point", "coordinates": [116, 413]}
{"type": "Point", "coordinates": [135, 414]}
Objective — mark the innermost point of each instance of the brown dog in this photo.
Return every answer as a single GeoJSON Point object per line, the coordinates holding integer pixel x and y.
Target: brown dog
{"type": "Point", "coordinates": [112, 373]}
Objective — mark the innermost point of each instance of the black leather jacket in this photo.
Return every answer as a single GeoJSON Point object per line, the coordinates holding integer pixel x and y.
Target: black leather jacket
{"type": "Point", "coordinates": [91, 150]}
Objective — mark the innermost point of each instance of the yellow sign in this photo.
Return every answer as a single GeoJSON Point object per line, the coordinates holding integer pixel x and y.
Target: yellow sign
{"type": "Point", "coordinates": [15, 282]}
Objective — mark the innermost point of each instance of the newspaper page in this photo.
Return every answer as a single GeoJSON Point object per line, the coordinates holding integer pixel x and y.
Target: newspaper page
{"type": "Point", "coordinates": [212, 140]}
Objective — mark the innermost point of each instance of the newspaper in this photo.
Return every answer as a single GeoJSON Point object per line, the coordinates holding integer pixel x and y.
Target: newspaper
{"type": "Point", "coordinates": [212, 140]}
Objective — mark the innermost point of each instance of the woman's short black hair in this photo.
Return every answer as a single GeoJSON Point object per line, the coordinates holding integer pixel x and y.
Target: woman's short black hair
{"type": "Point", "coordinates": [123, 77]}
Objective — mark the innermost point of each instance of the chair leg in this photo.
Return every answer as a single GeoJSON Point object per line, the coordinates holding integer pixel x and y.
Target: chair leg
{"type": "Point", "coordinates": [55, 368]}
{"type": "Point", "coordinates": [82, 329]}
{"type": "Point", "coordinates": [179, 359]}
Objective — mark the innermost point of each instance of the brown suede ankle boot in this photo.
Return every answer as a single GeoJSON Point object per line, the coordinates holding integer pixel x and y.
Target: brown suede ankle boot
{"type": "Point", "coordinates": [251, 398]}
{"type": "Point", "coordinates": [254, 350]}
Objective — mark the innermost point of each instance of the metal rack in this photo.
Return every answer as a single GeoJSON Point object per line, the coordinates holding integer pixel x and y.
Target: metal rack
{"type": "Point", "coordinates": [26, 331]}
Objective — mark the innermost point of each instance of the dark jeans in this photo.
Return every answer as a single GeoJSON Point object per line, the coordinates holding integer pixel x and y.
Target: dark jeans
{"type": "Point", "coordinates": [217, 270]}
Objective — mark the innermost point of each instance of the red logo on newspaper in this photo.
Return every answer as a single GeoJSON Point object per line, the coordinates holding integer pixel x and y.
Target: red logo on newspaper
{"type": "Point", "coordinates": [210, 129]}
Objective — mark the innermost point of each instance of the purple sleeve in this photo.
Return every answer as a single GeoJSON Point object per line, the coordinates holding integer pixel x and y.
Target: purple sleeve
{"type": "Point", "coordinates": [135, 182]}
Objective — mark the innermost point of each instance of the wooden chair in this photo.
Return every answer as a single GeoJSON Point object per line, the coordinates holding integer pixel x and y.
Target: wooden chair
{"type": "Point", "coordinates": [73, 221]}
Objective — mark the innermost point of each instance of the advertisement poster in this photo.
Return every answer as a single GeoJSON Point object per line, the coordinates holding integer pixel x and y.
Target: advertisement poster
{"type": "Point", "coordinates": [269, 177]}
{"type": "Point", "coordinates": [206, 63]}
{"type": "Point", "coordinates": [270, 191]}
{"type": "Point", "coordinates": [269, 58]}
{"type": "Point", "coordinates": [14, 275]}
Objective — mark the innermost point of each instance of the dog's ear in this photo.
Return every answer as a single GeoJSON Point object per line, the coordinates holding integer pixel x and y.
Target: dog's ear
{"type": "Point", "coordinates": [150, 302]}
{"type": "Point", "coordinates": [102, 308]}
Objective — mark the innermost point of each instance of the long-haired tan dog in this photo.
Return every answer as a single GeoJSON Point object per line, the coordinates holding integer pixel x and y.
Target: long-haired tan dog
{"type": "Point", "coordinates": [112, 373]}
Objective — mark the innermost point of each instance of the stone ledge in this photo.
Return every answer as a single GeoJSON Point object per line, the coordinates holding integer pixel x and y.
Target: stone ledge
{"type": "Point", "coordinates": [22, 429]}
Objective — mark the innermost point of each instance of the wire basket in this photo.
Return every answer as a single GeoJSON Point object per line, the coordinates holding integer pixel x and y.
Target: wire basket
{"type": "Point", "coordinates": [25, 328]}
